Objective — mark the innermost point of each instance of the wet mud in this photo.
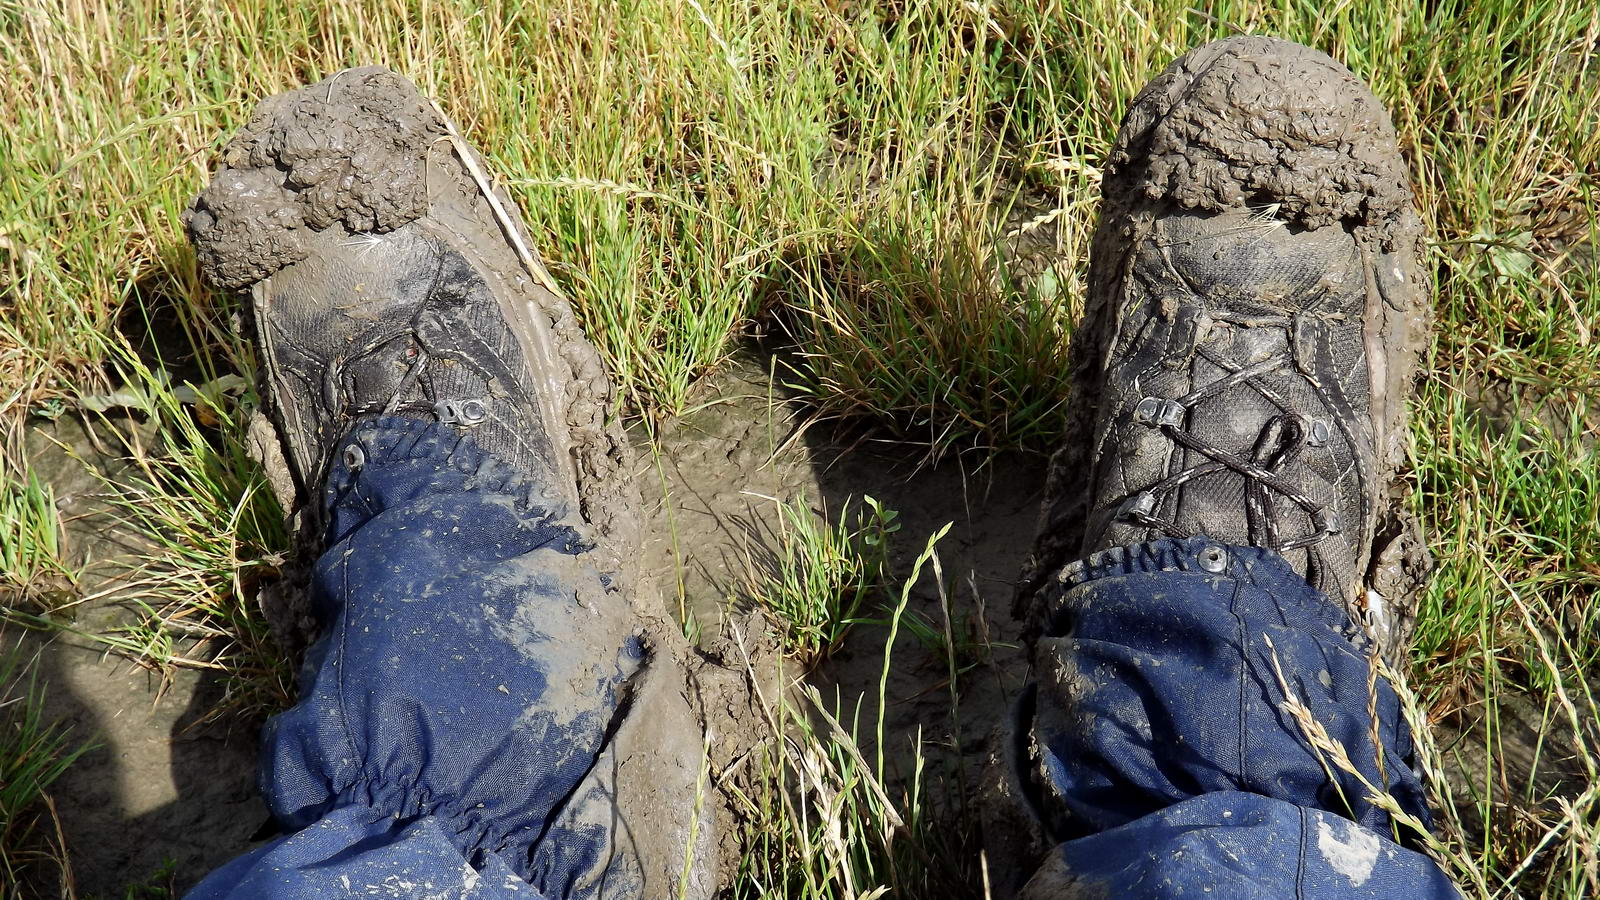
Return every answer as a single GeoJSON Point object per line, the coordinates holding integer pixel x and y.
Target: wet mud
{"type": "Point", "coordinates": [713, 492]}
{"type": "Point", "coordinates": [161, 790]}
{"type": "Point", "coordinates": [165, 795]}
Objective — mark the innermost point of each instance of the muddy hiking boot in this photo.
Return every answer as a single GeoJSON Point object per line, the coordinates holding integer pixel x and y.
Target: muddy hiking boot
{"type": "Point", "coordinates": [1240, 378]}
{"type": "Point", "coordinates": [1254, 315]}
{"type": "Point", "coordinates": [394, 292]}
{"type": "Point", "coordinates": [385, 281]}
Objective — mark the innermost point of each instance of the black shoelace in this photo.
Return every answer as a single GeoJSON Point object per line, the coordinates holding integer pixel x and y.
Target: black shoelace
{"type": "Point", "coordinates": [1281, 441]}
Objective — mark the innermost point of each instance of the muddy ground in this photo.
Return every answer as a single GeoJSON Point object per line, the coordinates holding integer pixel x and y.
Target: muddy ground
{"type": "Point", "coordinates": [160, 802]}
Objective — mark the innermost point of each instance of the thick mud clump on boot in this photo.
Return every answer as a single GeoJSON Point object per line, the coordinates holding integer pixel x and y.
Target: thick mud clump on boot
{"type": "Point", "coordinates": [308, 159]}
{"type": "Point", "coordinates": [364, 153]}
{"type": "Point", "coordinates": [1264, 122]}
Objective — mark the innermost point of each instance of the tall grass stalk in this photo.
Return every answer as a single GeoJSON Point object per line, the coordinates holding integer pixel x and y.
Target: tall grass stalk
{"type": "Point", "coordinates": [824, 819]}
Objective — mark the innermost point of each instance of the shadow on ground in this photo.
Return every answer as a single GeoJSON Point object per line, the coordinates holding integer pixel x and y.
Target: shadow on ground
{"type": "Point", "coordinates": [161, 800]}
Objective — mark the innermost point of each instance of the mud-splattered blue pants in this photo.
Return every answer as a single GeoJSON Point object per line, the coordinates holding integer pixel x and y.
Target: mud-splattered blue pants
{"type": "Point", "coordinates": [454, 717]}
{"type": "Point", "coordinates": [457, 709]}
{"type": "Point", "coordinates": [1167, 760]}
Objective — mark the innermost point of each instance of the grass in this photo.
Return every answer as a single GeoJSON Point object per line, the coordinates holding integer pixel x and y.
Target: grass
{"type": "Point", "coordinates": [823, 819]}
{"type": "Point", "coordinates": [900, 192]}
{"type": "Point", "coordinates": [33, 754]}
{"type": "Point", "coordinates": [813, 582]}
{"type": "Point", "coordinates": [34, 569]}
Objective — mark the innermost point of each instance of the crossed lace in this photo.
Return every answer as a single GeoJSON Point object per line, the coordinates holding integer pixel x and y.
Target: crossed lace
{"type": "Point", "coordinates": [1280, 443]}
{"type": "Point", "coordinates": [432, 335]}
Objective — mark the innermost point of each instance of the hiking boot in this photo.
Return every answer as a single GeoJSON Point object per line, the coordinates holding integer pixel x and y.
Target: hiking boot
{"type": "Point", "coordinates": [1254, 315]}
{"type": "Point", "coordinates": [387, 279]}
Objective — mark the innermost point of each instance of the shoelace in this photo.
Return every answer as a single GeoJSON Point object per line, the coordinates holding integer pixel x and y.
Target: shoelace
{"type": "Point", "coordinates": [431, 335]}
{"type": "Point", "coordinates": [1279, 443]}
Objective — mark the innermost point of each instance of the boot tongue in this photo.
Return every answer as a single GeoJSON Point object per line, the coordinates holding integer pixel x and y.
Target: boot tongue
{"type": "Point", "coordinates": [384, 380]}
{"type": "Point", "coordinates": [1245, 258]}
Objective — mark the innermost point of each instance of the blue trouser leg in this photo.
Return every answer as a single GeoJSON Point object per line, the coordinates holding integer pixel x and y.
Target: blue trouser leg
{"type": "Point", "coordinates": [1165, 762]}
{"type": "Point", "coordinates": [455, 716]}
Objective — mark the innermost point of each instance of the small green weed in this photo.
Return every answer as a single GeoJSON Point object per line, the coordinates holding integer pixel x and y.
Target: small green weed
{"type": "Point", "coordinates": [812, 584]}
{"type": "Point", "coordinates": [34, 572]}
{"type": "Point", "coordinates": [160, 884]}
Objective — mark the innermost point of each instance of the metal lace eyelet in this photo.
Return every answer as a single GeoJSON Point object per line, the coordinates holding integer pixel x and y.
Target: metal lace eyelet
{"type": "Point", "coordinates": [469, 412]}
{"type": "Point", "coordinates": [1213, 559]}
{"type": "Point", "coordinates": [354, 457]}
{"type": "Point", "coordinates": [1137, 508]}
{"type": "Point", "coordinates": [1159, 411]}
{"type": "Point", "coordinates": [1317, 434]}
